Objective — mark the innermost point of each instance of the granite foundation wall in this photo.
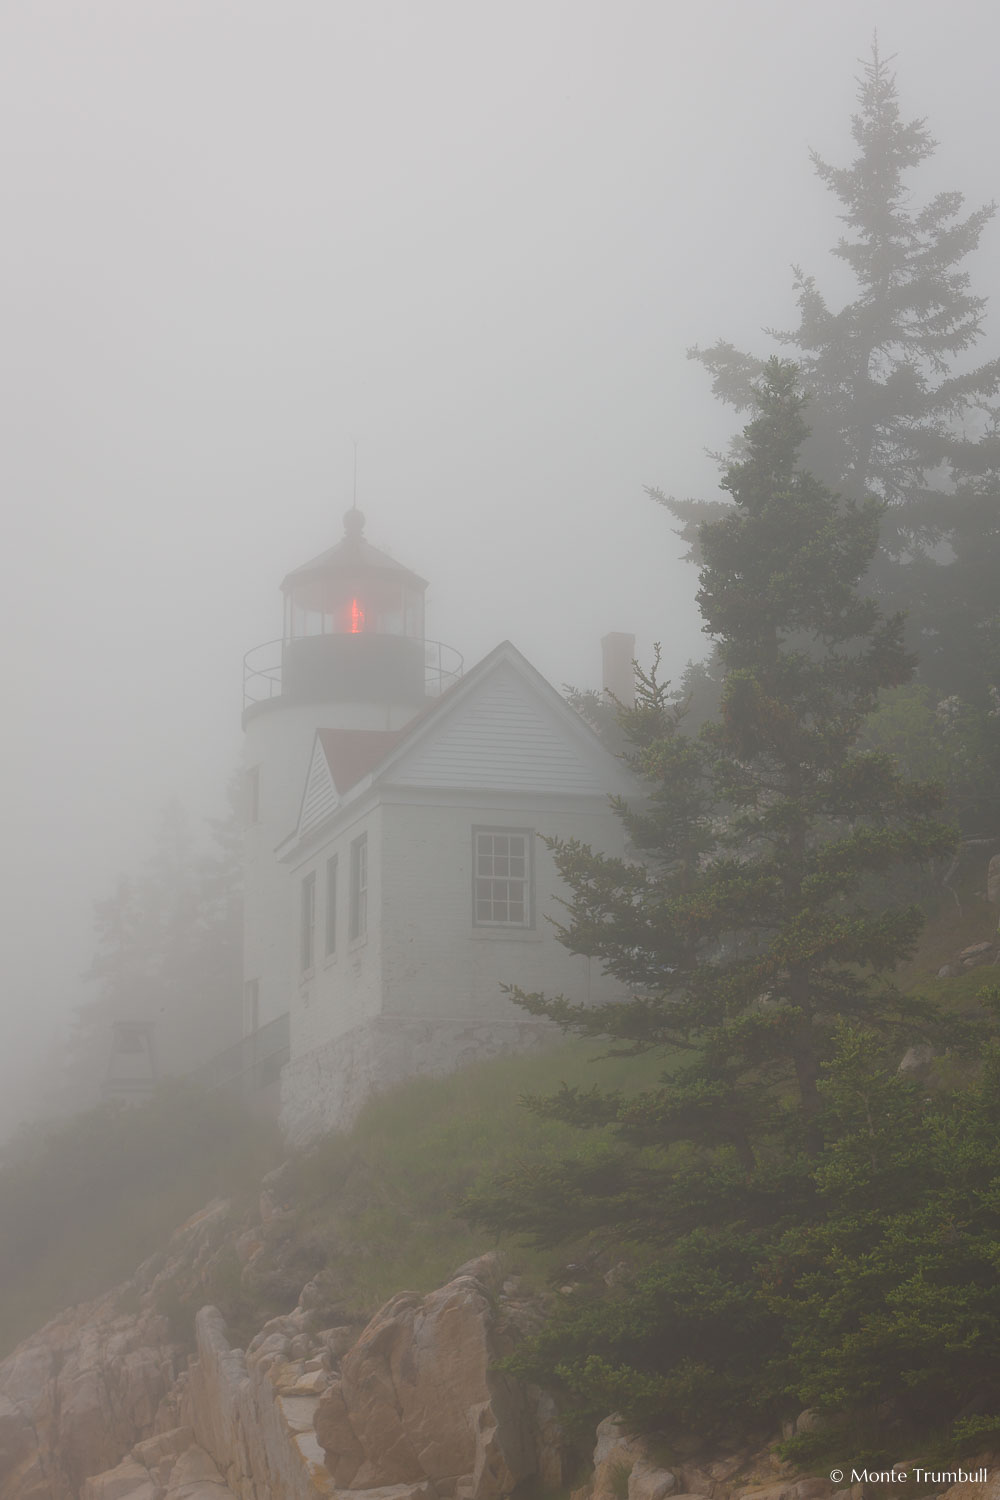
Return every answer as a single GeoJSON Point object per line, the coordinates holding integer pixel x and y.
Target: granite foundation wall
{"type": "Point", "coordinates": [324, 1090]}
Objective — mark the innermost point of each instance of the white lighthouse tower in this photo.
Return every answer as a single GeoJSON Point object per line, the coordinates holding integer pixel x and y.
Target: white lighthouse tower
{"type": "Point", "coordinates": [352, 656]}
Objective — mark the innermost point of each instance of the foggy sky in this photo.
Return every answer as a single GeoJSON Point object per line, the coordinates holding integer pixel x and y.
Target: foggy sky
{"type": "Point", "coordinates": [478, 238]}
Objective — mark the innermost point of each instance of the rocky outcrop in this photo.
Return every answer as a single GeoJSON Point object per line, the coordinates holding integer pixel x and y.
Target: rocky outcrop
{"type": "Point", "coordinates": [972, 957]}
{"type": "Point", "coordinates": [254, 1414]}
{"type": "Point", "coordinates": [168, 1467]}
{"type": "Point", "coordinates": [418, 1401]}
{"type": "Point", "coordinates": [624, 1464]}
{"type": "Point", "coordinates": [110, 1402]}
{"type": "Point", "coordinates": [104, 1404]}
{"type": "Point", "coordinates": [77, 1395]}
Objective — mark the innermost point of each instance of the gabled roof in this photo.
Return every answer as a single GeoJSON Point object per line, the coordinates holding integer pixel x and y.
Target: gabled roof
{"type": "Point", "coordinates": [501, 729]}
{"type": "Point", "coordinates": [504, 728]}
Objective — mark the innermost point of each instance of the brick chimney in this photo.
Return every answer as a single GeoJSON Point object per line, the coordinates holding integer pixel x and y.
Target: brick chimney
{"type": "Point", "coordinates": [618, 654]}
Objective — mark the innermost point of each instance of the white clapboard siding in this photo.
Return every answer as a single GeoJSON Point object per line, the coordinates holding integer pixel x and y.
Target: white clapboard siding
{"type": "Point", "coordinates": [320, 797]}
{"type": "Point", "coordinates": [505, 737]}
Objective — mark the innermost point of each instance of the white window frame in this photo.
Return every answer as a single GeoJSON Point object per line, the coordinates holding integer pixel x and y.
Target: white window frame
{"type": "Point", "coordinates": [330, 908]}
{"type": "Point", "coordinates": [358, 927]}
{"type": "Point", "coordinates": [503, 878]}
{"type": "Point", "coordinates": [307, 923]}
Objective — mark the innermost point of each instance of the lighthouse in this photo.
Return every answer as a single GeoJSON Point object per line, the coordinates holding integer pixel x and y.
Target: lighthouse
{"type": "Point", "coordinates": [353, 657]}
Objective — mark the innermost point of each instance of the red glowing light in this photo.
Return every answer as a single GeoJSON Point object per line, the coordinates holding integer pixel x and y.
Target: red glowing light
{"type": "Point", "coordinates": [357, 618]}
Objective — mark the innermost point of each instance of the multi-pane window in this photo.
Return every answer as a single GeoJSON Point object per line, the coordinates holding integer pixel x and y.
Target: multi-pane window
{"type": "Point", "coordinates": [331, 906]}
{"type": "Point", "coordinates": [307, 946]}
{"type": "Point", "coordinates": [501, 886]}
{"type": "Point", "coordinates": [359, 887]}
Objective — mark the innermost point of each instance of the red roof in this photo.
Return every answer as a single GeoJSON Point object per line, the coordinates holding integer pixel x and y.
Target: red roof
{"type": "Point", "coordinates": [352, 753]}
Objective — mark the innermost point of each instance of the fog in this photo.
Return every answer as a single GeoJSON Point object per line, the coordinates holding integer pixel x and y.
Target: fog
{"type": "Point", "coordinates": [477, 240]}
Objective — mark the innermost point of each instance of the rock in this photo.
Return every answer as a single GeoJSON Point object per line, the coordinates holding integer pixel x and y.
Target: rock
{"type": "Point", "coordinates": [76, 1396]}
{"type": "Point", "coordinates": [195, 1477]}
{"type": "Point", "coordinates": [174, 1473]}
{"type": "Point", "coordinates": [486, 1269]}
{"type": "Point", "coordinates": [785, 1490]}
{"type": "Point", "coordinates": [647, 1482]}
{"type": "Point", "coordinates": [336, 1436]}
{"type": "Point", "coordinates": [949, 971]}
{"type": "Point", "coordinates": [419, 1397]}
{"type": "Point", "coordinates": [916, 1059]}
{"type": "Point", "coordinates": [613, 1436]}
{"type": "Point", "coordinates": [549, 1440]}
{"type": "Point", "coordinates": [615, 1455]}
{"type": "Point", "coordinates": [97, 1406]}
{"type": "Point", "coordinates": [165, 1445]}
{"type": "Point", "coordinates": [990, 1490]}
{"type": "Point", "coordinates": [976, 952]}
{"type": "Point", "coordinates": [16, 1441]}
{"type": "Point", "coordinates": [337, 1341]}
{"type": "Point", "coordinates": [128, 1479]}
{"type": "Point", "coordinates": [232, 1403]}
{"type": "Point", "coordinates": [993, 881]}
{"type": "Point", "coordinates": [299, 1412]}
{"type": "Point", "coordinates": [724, 1469]}
{"type": "Point", "coordinates": [695, 1481]}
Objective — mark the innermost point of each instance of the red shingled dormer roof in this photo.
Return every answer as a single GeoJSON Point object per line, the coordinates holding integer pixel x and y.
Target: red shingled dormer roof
{"type": "Point", "coordinates": [352, 753]}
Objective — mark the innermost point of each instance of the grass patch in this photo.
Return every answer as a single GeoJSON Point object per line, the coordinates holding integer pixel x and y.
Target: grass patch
{"type": "Point", "coordinates": [385, 1197]}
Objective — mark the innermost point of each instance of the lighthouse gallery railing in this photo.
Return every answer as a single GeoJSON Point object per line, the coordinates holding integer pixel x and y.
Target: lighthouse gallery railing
{"type": "Point", "coordinates": [443, 665]}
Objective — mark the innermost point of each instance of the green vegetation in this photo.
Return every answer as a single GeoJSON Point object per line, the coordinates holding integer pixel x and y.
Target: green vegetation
{"type": "Point", "coordinates": [818, 1229]}
{"type": "Point", "coordinates": [384, 1200]}
{"type": "Point", "coordinates": [85, 1200]}
{"type": "Point", "coordinates": [898, 412]}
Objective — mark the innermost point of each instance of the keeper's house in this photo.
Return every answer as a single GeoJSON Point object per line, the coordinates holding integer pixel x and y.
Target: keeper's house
{"type": "Point", "coordinates": [397, 874]}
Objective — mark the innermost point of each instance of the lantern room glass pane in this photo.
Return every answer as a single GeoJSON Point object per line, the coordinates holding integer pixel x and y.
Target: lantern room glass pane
{"type": "Point", "coordinates": [361, 604]}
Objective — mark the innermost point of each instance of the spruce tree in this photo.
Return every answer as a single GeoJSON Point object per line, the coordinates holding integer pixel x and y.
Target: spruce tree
{"type": "Point", "coordinates": [898, 412]}
{"type": "Point", "coordinates": [745, 931]}
{"type": "Point", "coordinates": [744, 928]}
{"type": "Point", "coordinates": [168, 952]}
{"type": "Point", "coordinates": [892, 405]}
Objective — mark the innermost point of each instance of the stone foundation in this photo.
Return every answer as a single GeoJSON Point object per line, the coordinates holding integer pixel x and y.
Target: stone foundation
{"type": "Point", "coordinates": [324, 1090]}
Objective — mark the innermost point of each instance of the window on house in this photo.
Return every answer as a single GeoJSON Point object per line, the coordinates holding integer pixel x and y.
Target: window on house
{"type": "Point", "coordinates": [331, 906]}
{"type": "Point", "coordinates": [251, 1006]}
{"type": "Point", "coordinates": [308, 922]}
{"type": "Point", "coordinates": [359, 887]}
{"type": "Point", "coordinates": [501, 885]}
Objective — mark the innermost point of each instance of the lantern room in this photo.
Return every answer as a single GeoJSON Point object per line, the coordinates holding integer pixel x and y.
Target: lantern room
{"type": "Point", "coordinates": [353, 589]}
{"type": "Point", "coordinates": [353, 625]}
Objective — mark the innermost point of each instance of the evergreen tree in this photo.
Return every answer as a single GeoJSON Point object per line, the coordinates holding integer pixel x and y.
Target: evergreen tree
{"type": "Point", "coordinates": [168, 952]}
{"type": "Point", "coordinates": [898, 413]}
{"type": "Point", "coordinates": [889, 1292]}
{"type": "Point", "coordinates": [745, 933]}
{"type": "Point", "coordinates": [890, 404]}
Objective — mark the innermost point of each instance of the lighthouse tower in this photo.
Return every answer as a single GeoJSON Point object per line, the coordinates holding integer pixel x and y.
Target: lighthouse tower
{"type": "Point", "coordinates": [352, 656]}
